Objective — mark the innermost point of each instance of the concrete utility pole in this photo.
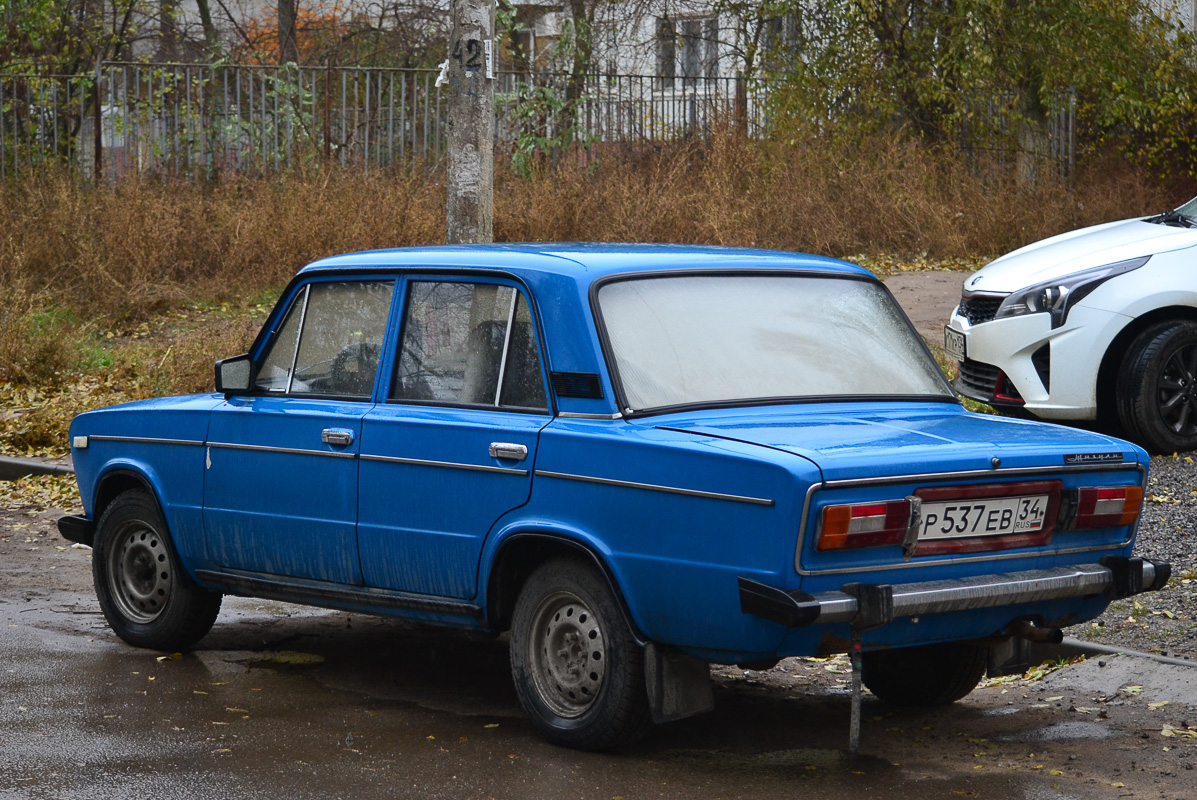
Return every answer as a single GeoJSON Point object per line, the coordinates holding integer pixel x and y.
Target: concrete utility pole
{"type": "Point", "coordinates": [469, 73]}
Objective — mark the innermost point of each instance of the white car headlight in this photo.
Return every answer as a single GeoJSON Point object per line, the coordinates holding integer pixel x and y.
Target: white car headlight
{"type": "Point", "coordinates": [1057, 296]}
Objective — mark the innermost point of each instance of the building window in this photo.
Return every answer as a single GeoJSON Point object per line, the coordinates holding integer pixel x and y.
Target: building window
{"type": "Point", "coordinates": [666, 52]}
{"type": "Point", "coordinates": [688, 49]}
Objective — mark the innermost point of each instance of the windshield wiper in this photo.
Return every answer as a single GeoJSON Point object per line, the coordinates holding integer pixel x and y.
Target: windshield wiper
{"type": "Point", "coordinates": [1174, 218]}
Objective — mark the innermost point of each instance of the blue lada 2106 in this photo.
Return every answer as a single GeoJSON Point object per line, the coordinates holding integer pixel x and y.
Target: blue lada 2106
{"type": "Point", "coordinates": [639, 460]}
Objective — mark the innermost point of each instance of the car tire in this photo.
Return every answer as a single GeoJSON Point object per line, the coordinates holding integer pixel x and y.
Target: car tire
{"type": "Point", "coordinates": [578, 672]}
{"type": "Point", "coordinates": [146, 596]}
{"type": "Point", "coordinates": [927, 675]}
{"type": "Point", "coordinates": [1156, 391]}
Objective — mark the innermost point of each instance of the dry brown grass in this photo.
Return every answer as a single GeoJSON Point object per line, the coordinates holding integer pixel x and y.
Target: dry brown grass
{"type": "Point", "coordinates": [890, 196]}
{"type": "Point", "coordinates": [78, 261]}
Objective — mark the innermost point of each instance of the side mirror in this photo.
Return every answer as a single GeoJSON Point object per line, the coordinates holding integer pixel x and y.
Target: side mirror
{"type": "Point", "coordinates": [234, 374]}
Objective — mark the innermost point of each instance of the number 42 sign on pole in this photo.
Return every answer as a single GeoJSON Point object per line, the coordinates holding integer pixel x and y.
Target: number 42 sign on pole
{"type": "Point", "coordinates": [468, 77]}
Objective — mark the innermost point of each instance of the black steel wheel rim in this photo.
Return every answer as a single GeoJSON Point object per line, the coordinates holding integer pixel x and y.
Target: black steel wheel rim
{"type": "Point", "coordinates": [567, 653]}
{"type": "Point", "coordinates": [140, 577]}
{"type": "Point", "coordinates": [1177, 391]}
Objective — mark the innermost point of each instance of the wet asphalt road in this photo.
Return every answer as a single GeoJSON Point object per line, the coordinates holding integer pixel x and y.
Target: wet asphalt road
{"type": "Point", "coordinates": [285, 701]}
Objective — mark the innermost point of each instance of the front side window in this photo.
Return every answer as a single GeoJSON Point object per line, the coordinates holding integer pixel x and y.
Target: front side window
{"type": "Point", "coordinates": [329, 342]}
{"type": "Point", "coordinates": [693, 340]}
{"type": "Point", "coordinates": [468, 344]}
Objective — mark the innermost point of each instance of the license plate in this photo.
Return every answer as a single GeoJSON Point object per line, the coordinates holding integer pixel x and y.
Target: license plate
{"type": "Point", "coordinates": [993, 516]}
{"type": "Point", "coordinates": [953, 344]}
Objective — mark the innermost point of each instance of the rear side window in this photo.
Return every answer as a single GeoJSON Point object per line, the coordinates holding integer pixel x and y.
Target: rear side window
{"type": "Point", "coordinates": [330, 341]}
{"type": "Point", "coordinates": [469, 344]}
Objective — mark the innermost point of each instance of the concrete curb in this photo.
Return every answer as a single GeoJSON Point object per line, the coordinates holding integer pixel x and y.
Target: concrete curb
{"type": "Point", "coordinates": [1070, 648]}
{"type": "Point", "coordinates": [12, 469]}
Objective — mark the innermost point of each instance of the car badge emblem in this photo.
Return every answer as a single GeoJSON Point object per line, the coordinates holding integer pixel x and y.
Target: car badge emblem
{"type": "Point", "coordinates": [1092, 458]}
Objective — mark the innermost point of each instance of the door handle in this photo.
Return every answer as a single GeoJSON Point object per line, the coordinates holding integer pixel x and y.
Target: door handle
{"type": "Point", "coordinates": [337, 437]}
{"type": "Point", "coordinates": [514, 452]}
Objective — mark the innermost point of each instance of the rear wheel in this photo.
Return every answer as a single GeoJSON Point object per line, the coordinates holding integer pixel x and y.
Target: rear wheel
{"type": "Point", "coordinates": [578, 672]}
{"type": "Point", "coordinates": [927, 675]}
{"type": "Point", "coordinates": [147, 598]}
{"type": "Point", "coordinates": [1157, 388]}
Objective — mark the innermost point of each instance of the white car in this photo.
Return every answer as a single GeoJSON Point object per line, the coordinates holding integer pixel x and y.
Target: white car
{"type": "Point", "coordinates": [1095, 324]}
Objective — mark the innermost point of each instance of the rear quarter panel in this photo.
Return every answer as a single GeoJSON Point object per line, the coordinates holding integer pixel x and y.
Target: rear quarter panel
{"type": "Point", "coordinates": [675, 556]}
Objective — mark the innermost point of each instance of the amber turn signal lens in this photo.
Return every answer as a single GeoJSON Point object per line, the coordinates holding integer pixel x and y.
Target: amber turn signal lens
{"type": "Point", "coordinates": [1108, 507]}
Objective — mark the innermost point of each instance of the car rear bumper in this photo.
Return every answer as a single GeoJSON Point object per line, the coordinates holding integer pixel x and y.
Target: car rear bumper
{"type": "Point", "coordinates": [870, 605]}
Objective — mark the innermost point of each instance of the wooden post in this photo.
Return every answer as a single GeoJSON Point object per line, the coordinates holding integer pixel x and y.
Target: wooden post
{"type": "Point", "coordinates": [99, 127]}
{"type": "Point", "coordinates": [469, 76]}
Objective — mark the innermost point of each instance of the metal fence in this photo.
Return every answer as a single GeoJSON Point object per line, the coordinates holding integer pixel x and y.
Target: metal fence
{"type": "Point", "coordinates": [200, 120]}
{"type": "Point", "coordinates": [994, 130]}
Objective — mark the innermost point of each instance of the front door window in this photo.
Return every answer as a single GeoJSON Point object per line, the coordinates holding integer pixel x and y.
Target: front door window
{"type": "Point", "coordinates": [330, 342]}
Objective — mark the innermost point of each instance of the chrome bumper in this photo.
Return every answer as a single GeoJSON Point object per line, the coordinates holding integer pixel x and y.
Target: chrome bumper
{"type": "Point", "coordinates": [869, 605]}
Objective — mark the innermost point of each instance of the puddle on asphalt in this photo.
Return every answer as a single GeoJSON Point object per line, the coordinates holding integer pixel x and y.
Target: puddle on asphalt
{"type": "Point", "coordinates": [1000, 711]}
{"type": "Point", "coordinates": [289, 657]}
{"type": "Point", "coordinates": [1062, 732]}
{"type": "Point", "coordinates": [777, 762]}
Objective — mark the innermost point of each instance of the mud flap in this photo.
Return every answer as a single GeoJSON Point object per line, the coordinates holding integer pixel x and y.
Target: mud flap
{"type": "Point", "coordinates": [679, 685]}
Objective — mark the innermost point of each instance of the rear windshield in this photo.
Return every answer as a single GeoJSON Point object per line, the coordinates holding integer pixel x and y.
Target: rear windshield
{"type": "Point", "coordinates": [693, 340]}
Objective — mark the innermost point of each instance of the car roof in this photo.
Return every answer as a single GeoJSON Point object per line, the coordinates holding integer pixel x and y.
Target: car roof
{"type": "Point", "coordinates": [560, 277]}
{"type": "Point", "coordinates": [584, 262]}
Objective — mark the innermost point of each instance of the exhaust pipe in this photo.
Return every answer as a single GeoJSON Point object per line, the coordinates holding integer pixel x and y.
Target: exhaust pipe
{"type": "Point", "coordinates": [1025, 629]}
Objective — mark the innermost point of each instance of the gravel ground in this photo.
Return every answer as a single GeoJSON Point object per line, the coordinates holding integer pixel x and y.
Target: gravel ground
{"type": "Point", "coordinates": [1163, 622]}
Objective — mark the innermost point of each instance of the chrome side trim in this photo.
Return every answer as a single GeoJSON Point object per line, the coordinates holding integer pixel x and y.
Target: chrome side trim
{"type": "Point", "coordinates": [295, 451]}
{"type": "Point", "coordinates": [423, 462]}
{"type": "Point", "coordinates": [145, 440]}
{"type": "Point", "coordinates": [579, 415]}
{"type": "Point", "coordinates": [653, 487]}
{"type": "Point", "coordinates": [962, 475]}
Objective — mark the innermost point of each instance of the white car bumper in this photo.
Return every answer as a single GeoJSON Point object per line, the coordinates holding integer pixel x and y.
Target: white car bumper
{"type": "Point", "coordinates": [1023, 362]}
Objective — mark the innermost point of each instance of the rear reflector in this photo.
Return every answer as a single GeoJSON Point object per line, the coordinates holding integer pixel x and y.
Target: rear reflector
{"type": "Point", "coordinates": [1108, 507]}
{"type": "Point", "coordinates": [864, 525]}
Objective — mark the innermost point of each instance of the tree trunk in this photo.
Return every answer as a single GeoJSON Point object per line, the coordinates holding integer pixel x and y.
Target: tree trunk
{"type": "Point", "coordinates": [211, 39]}
{"type": "Point", "coordinates": [582, 15]}
{"type": "Point", "coordinates": [168, 32]}
{"type": "Point", "coordinates": [288, 48]}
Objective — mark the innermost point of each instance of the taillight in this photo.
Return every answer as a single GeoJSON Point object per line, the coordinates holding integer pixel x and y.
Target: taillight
{"type": "Point", "coordinates": [1108, 507]}
{"type": "Point", "coordinates": [864, 525]}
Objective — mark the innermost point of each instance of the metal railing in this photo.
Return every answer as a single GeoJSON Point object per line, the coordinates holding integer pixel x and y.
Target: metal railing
{"type": "Point", "coordinates": [200, 120]}
{"type": "Point", "coordinates": [203, 120]}
{"type": "Point", "coordinates": [995, 130]}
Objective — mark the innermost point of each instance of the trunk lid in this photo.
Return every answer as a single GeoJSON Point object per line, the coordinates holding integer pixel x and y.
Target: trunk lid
{"type": "Point", "coordinates": [870, 440]}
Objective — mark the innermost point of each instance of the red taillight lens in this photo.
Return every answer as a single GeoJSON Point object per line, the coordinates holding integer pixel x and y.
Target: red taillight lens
{"type": "Point", "coordinates": [1108, 507]}
{"type": "Point", "coordinates": [864, 525]}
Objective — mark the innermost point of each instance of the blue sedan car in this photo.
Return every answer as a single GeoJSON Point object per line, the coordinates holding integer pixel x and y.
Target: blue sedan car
{"type": "Point", "coordinates": [639, 460]}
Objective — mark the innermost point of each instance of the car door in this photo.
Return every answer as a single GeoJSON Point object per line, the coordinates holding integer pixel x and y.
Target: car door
{"type": "Point", "coordinates": [280, 485]}
{"type": "Point", "coordinates": [451, 450]}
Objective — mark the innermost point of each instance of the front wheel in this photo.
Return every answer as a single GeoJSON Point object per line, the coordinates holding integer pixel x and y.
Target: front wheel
{"type": "Point", "coordinates": [578, 672]}
{"type": "Point", "coordinates": [927, 675]}
{"type": "Point", "coordinates": [145, 595]}
{"type": "Point", "coordinates": [1157, 388]}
